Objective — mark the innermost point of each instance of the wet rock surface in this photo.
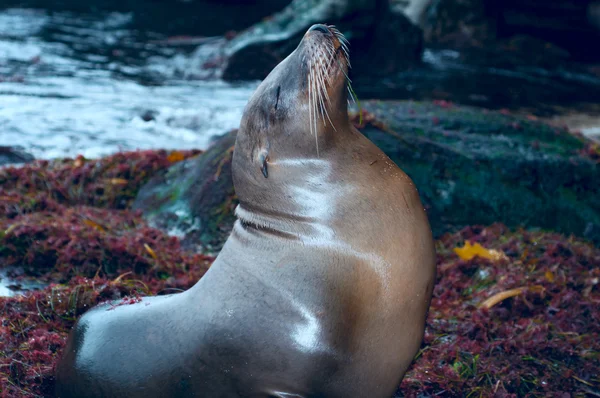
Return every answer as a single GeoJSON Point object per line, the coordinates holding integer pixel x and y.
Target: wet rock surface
{"type": "Point", "coordinates": [387, 41]}
{"type": "Point", "coordinates": [470, 167]}
{"type": "Point", "coordinates": [512, 75]}
{"type": "Point", "coordinates": [474, 167]}
{"type": "Point", "coordinates": [570, 25]}
{"type": "Point", "coordinates": [195, 199]}
{"type": "Point", "coordinates": [14, 155]}
{"type": "Point", "coordinates": [459, 23]}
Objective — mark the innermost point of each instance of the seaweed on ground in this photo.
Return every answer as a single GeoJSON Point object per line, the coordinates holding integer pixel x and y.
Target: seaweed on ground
{"type": "Point", "coordinates": [543, 339]}
{"type": "Point", "coordinates": [65, 223]}
{"type": "Point", "coordinates": [520, 319]}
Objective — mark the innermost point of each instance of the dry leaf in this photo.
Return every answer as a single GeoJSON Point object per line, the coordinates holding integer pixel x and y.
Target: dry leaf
{"type": "Point", "coordinates": [79, 161]}
{"type": "Point", "coordinates": [469, 251]}
{"type": "Point", "coordinates": [94, 224]}
{"type": "Point", "coordinates": [150, 251]}
{"type": "Point", "coordinates": [118, 181]}
{"type": "Point", "coordinates": [499, 297]}
{"type": "Point", "coordinates": [118, 278]}
{"type": "Point", "coordinates": [175, 156]}
{"type": "Point", "coordinates": [9, 199]}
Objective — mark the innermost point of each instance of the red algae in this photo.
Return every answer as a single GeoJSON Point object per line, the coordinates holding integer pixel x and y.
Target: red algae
{"type": "Point", "coordinates": [67, 223]}
{"type": "Point", "coordinates": [544, 341]}
{"type": "Point", "coordinates": [110, 182]}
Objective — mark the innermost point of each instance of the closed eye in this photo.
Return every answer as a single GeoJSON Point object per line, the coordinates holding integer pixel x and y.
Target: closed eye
{"type": "Point", "coordinates": [277, 101]}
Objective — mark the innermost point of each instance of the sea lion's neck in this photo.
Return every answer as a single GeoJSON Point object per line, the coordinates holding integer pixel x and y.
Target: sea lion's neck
{"type": "Point", "coordinates": [296, 202]}
{"type": "Point", "coordinates": [283, 225]}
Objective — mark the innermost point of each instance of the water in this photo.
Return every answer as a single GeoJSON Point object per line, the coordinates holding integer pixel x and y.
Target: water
{"type": "Point", "coordinates": [93, 84]}
{"type": "Point", "coordinates": [88, 84]}
{"type": "Point", "coordinates": [10, 287]}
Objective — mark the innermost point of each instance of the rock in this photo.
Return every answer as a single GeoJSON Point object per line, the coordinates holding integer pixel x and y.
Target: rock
{"type": "Point", "coordinates": [172, 17]}
{"type": "Point", "coordinates": [458, 23]}
{"type": "Point", "coordinates": [561, 22]}
{"type": "Point", "coordinates": [519, 74]}
{"type": "Point", "coordinates": [149, 115]}
{"type": "Point", "coordinates": [14, 155]}
{"type": "Point", "coordinates": [384, 41]}
{"type": "Point", "coordinates": [414, 10]}
{"type": "Point", "coordinates": [593, 14]}
{"type": "Point", "coordinates": [478, 167]}
{"type": "Point", "coordinates": [194, 199]}
{"type": "Point", "coordinates": [470, 166]}
{"type": "Point", "coordinates": [572, 26]}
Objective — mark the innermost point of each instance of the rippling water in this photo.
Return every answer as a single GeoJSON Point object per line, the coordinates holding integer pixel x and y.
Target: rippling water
{"type": "Point", "coordinates": [92, 84]}
{"type": "Point", "coordinates": [88, 84]}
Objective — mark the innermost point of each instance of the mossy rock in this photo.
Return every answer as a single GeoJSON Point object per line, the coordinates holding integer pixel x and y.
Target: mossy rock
{"type": "Point", "coordinates": [195, 198]}
{"type": "Point", "coordinates": [479, 167]}
{"type": "Point", "coordinates": [470, 166]}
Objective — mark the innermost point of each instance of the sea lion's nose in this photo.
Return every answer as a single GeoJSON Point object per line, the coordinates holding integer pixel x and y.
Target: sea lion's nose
{"type": "Point", "coordinates": [319, 27]}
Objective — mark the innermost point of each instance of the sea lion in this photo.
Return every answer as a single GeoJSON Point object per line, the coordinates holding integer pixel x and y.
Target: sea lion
{"type": "Point", "coordinates": [322, 288]}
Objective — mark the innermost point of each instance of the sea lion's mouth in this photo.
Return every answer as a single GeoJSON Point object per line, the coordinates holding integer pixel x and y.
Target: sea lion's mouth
{"type": "Point", "coordinates": [326, 52]}
{"type": "Point", "coordinates": [327, 61]}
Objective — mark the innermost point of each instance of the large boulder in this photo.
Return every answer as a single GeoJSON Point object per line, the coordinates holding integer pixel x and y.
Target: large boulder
{"type": "Point", "coordinates": [195, 198]}
{"type": "Point", "coordinates": [470, 166]}
{"type": "Point", "coordinates": [571, 25]}
{"type": "Point", "coordinates": [386, 41]}
{"type": "Point", "coordinates": [479, 167]}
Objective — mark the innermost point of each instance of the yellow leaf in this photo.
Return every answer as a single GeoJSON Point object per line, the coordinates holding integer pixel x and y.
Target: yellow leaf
{"type": "Point", "coordinates": [118, 181]}
{"type": "Point", "coordinates": [499, 297]}
{"type": "Point", "coordinates": [94, 224]}
{"type": "Point", "coordinates": [118, 278]}
{"type": "Point", "coordinates": [150, 251]}
{"type": "Point", "coordinates": [175, 156]}
{"type": "Point", "coordinates": [79, 161]}
{"type": "Point", "coordinates": [549, 276]}
{"type": "Point", "coordinates": [469, 251]}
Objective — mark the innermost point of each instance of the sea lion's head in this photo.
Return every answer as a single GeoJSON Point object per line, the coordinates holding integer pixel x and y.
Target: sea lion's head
{"type": "Point", "coordinates": [300, 107]}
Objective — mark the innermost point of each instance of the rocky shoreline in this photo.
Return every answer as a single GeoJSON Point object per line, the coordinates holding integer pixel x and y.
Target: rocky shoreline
{"type": "Point", "coordinates": [471, 167]}
{"type": "Point", "coordinates": [516, 311]}
{"type": "Point", "coordinates": [463, 93]}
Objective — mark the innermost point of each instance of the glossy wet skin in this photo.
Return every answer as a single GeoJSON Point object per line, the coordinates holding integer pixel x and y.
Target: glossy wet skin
{"type": "Point", "coordinates": [321, 289]}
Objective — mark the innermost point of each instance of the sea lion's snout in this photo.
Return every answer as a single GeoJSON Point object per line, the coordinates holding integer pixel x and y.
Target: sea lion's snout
{"type": "Point", "coordinates": [327, 35]}
{"type": "Point", "coordinates": [319, 28]}
{"type": "Point", "coordinates": [325, 52]}
{"type": "Point", "coordinates": [325, 59]}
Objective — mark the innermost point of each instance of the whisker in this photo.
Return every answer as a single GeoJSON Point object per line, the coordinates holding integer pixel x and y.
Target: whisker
{"type": "Point", "coordinates": [309, 102]}
{"type": "Point", "coordinates": [320, 76]}
{"type": "Point", "coordinates": [324, 95]}
{"type": "Point", "coordinates": [314, 104]}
